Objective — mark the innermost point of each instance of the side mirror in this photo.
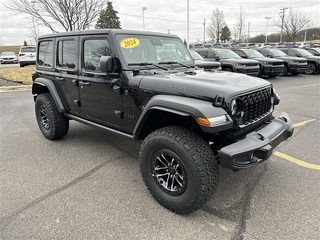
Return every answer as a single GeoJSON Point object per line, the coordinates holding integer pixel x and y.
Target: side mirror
{"type": "Point", "coordinates": [298, 55]}
{"type": "Point", "coordinates": [107, 65]}
{"type": "Point", "coordinates": [269, 55]}
{"type": "Point", "coordinates": [243, 56]}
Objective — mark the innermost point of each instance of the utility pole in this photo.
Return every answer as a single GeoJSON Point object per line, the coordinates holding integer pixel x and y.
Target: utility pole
{"type": "Point", "coordinates": [204, 31]}
{"type": "Point", "coordinates": [283, 11]}
{"type": "Point", "coordinates": [248, 32]}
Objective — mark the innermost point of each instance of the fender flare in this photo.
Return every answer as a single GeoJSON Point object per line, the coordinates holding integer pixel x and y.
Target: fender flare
{"type": "Point", "coordinates": [38, 88]}
{"type": "Point", "coordinates": [183, 106]}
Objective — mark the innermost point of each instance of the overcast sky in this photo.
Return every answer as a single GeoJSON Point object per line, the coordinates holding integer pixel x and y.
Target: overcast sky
{"type": "Point", "coordinates": [171, 16]}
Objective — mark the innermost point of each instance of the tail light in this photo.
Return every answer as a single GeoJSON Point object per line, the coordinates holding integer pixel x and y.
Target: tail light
{"type": "Point", "coordinates": [21, 54]}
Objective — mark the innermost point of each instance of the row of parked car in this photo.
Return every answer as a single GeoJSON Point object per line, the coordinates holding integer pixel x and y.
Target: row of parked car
{"type": "Point", "coordinates": [254, 45]}
{"type": "Point", "coordinates": [26, 56]}
{"type": "Point", "coordinates": [261, 61]}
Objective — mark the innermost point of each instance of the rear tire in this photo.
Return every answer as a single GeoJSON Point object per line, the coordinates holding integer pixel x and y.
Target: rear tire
{"type": "Point", "coordinates": [21, 65]}
{"type": "Point", "coordinates": [178, 168]}
{"type": "Point", "coordinates": [52, 124]}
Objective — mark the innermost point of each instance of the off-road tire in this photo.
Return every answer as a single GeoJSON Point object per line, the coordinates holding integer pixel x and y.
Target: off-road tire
{"type": "Point", "coordinates": [311, 69]}
{"type": "Point", "coordinates": [193, 164]}
{"type": "Point", "coordinates": [21, 65]}
{"type": "Point", "coordinates": [52, 124]}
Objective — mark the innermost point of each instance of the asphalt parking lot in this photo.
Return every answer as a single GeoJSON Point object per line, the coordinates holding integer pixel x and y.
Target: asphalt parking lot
{"type": "Point", "coordinates": [88, 185]}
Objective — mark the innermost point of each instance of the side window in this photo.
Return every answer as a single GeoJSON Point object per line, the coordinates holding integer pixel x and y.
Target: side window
{"type": "Point", "coordinates": [45, 54]}
{"type": "Point", "coordinates": [292, 52]}
{"type": "Point", "coordinates": [93, 49]}
{"type": "Point", "coordinates": [66, 54]}
{"type": "Point", "coordinates": [212, 54]}
{"type": "Point", "coordinates": [240, 53]}
{"type": "Point", "coordinates": [204, 54]}
{"type": "Point", "coordinates": [265, 52]}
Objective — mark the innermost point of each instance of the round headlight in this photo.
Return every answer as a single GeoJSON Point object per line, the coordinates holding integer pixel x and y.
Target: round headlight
{"type": "Point", "coordinates": [233, 107]}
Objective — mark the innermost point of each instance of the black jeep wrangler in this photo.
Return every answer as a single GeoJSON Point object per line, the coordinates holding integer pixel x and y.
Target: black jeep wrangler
{"type": "Point", "coordinates": [145, 86]}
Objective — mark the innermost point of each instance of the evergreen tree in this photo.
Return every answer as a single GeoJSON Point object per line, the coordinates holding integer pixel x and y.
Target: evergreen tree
{"type": "Point", "coordinates": [108, 18]}
{"type": "Point", "coordinates": [225, 34]}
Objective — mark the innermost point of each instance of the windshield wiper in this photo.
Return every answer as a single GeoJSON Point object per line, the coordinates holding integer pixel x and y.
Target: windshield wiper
{"type": "Point", "coordinates": [146, 64]}
{"type": "Point", "coordinates": [173, 62]}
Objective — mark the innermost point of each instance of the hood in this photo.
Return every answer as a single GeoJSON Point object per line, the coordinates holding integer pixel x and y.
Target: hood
{"type": "Point", "coordinates": [292, 58]}
{"type": "Point", "coordinates": [315, 58]}
{"type": "Point", "coordinates": [267, 59]}
{"type": "Point", "coordinates": [202, 85]}
{"type": "Point", "coordinates": [238, 60]}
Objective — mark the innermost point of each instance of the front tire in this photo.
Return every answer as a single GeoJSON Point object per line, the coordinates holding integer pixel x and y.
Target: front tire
{"type": "Point", "coordinates": [52, 124]}
{"type": "Point", "coordinates": [311, 69]}
{"type": "Point", "coordinates": [285, 71]}
{"type": "Point", "coordinates": [179, 168]}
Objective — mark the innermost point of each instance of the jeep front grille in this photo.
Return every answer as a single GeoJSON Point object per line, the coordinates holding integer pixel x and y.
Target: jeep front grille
{"type": "Point", "coordinates": [256, 106]}
{"type": "Point", "coordinates": [250, 64]}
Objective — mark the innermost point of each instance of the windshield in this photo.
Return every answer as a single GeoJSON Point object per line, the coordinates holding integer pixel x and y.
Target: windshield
{"type": "Point", "coordinates": [253, 53]}
{"type": "Point", "coordinates": [153, 49]}
{"type": "Point", "coordinates": [7, 54]}
{"type": "Point", "coordinates": [195, 55]}
{"type": "Point", "coordinates": [304, 53]}
{"type": "Point", "coordinates": [227, 54]}
{"type": "Point", "coordinates": [278, 53]}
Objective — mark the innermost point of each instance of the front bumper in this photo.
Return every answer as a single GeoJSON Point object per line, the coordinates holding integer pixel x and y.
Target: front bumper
{"type": "Point", "coordinates": [257, 146]}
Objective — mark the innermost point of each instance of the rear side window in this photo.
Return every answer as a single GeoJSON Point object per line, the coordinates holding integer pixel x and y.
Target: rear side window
{"type": "Point", "coordinates": [66, 54]}
{"type": "Point", "coordinates": [45, 53]}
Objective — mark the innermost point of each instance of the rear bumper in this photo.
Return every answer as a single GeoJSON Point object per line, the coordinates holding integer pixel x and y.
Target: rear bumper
{"type": "Point", "coordinates": [257, 146]}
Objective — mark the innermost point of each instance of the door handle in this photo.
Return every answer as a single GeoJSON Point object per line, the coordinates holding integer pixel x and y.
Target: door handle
{"type": "Point", "coordinates": [60, 79]}
{"type": "Point", "coordinates": [84, 84]}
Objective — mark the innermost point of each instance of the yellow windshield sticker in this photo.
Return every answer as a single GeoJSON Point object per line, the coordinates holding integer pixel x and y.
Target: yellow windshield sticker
{"type": "Point", "coordinates": [130, 43]}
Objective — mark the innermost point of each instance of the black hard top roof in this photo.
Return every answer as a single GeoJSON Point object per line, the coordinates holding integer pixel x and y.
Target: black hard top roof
{"type": "Point", "coordinates": [104, 31]}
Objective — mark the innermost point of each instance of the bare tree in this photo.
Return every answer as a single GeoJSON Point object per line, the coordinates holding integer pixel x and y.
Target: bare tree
{"type": "Point", "coordinates": [241, 19]}
{"type": "Point", "coordinates": [217, 24]}
{"type": "Point", "coordinates": [34, 33]}
{"type": "Point", "coordinates": [293, 23]}
{"type": "Point", "coordinates": [69, 14]}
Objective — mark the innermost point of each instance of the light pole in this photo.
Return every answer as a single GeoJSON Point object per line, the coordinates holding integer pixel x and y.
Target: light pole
{"type": "Point", "coordinates": [143, 9]}
{"type": "Point", "coordinates": [267, 28]}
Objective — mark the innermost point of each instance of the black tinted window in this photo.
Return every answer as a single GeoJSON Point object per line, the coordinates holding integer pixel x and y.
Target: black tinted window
{"type": "Point", "coordinates": [93, 49]}
{"type": "Point", "coordinates": [240, 53]}
{"type": "Point", "coordinates": [28, 49]}
{"type": "Point", "coordinates": [265, 52]}
{"type": "Point", "coordinates": [66, 54]}
{"type": "Point", "coordinates": [45, 53]}
{"type": "Point", "coordinates": [212, 54]}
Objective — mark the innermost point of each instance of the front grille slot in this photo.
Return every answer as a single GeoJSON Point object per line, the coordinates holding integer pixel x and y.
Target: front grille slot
{"type": "Point", "coordinates": [256, 105]}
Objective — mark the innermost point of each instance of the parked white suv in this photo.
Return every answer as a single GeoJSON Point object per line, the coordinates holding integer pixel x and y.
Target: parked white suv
{"type": "Point", "coordinates": [27, 55]}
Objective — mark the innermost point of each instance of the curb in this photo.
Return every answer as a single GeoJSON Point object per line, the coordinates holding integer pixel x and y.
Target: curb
{"type": "Point", "coordinates": [16, 88]}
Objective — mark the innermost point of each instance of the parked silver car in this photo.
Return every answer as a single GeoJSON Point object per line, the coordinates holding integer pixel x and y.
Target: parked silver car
{"type": "Point", "coordinates": [8, 57]}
